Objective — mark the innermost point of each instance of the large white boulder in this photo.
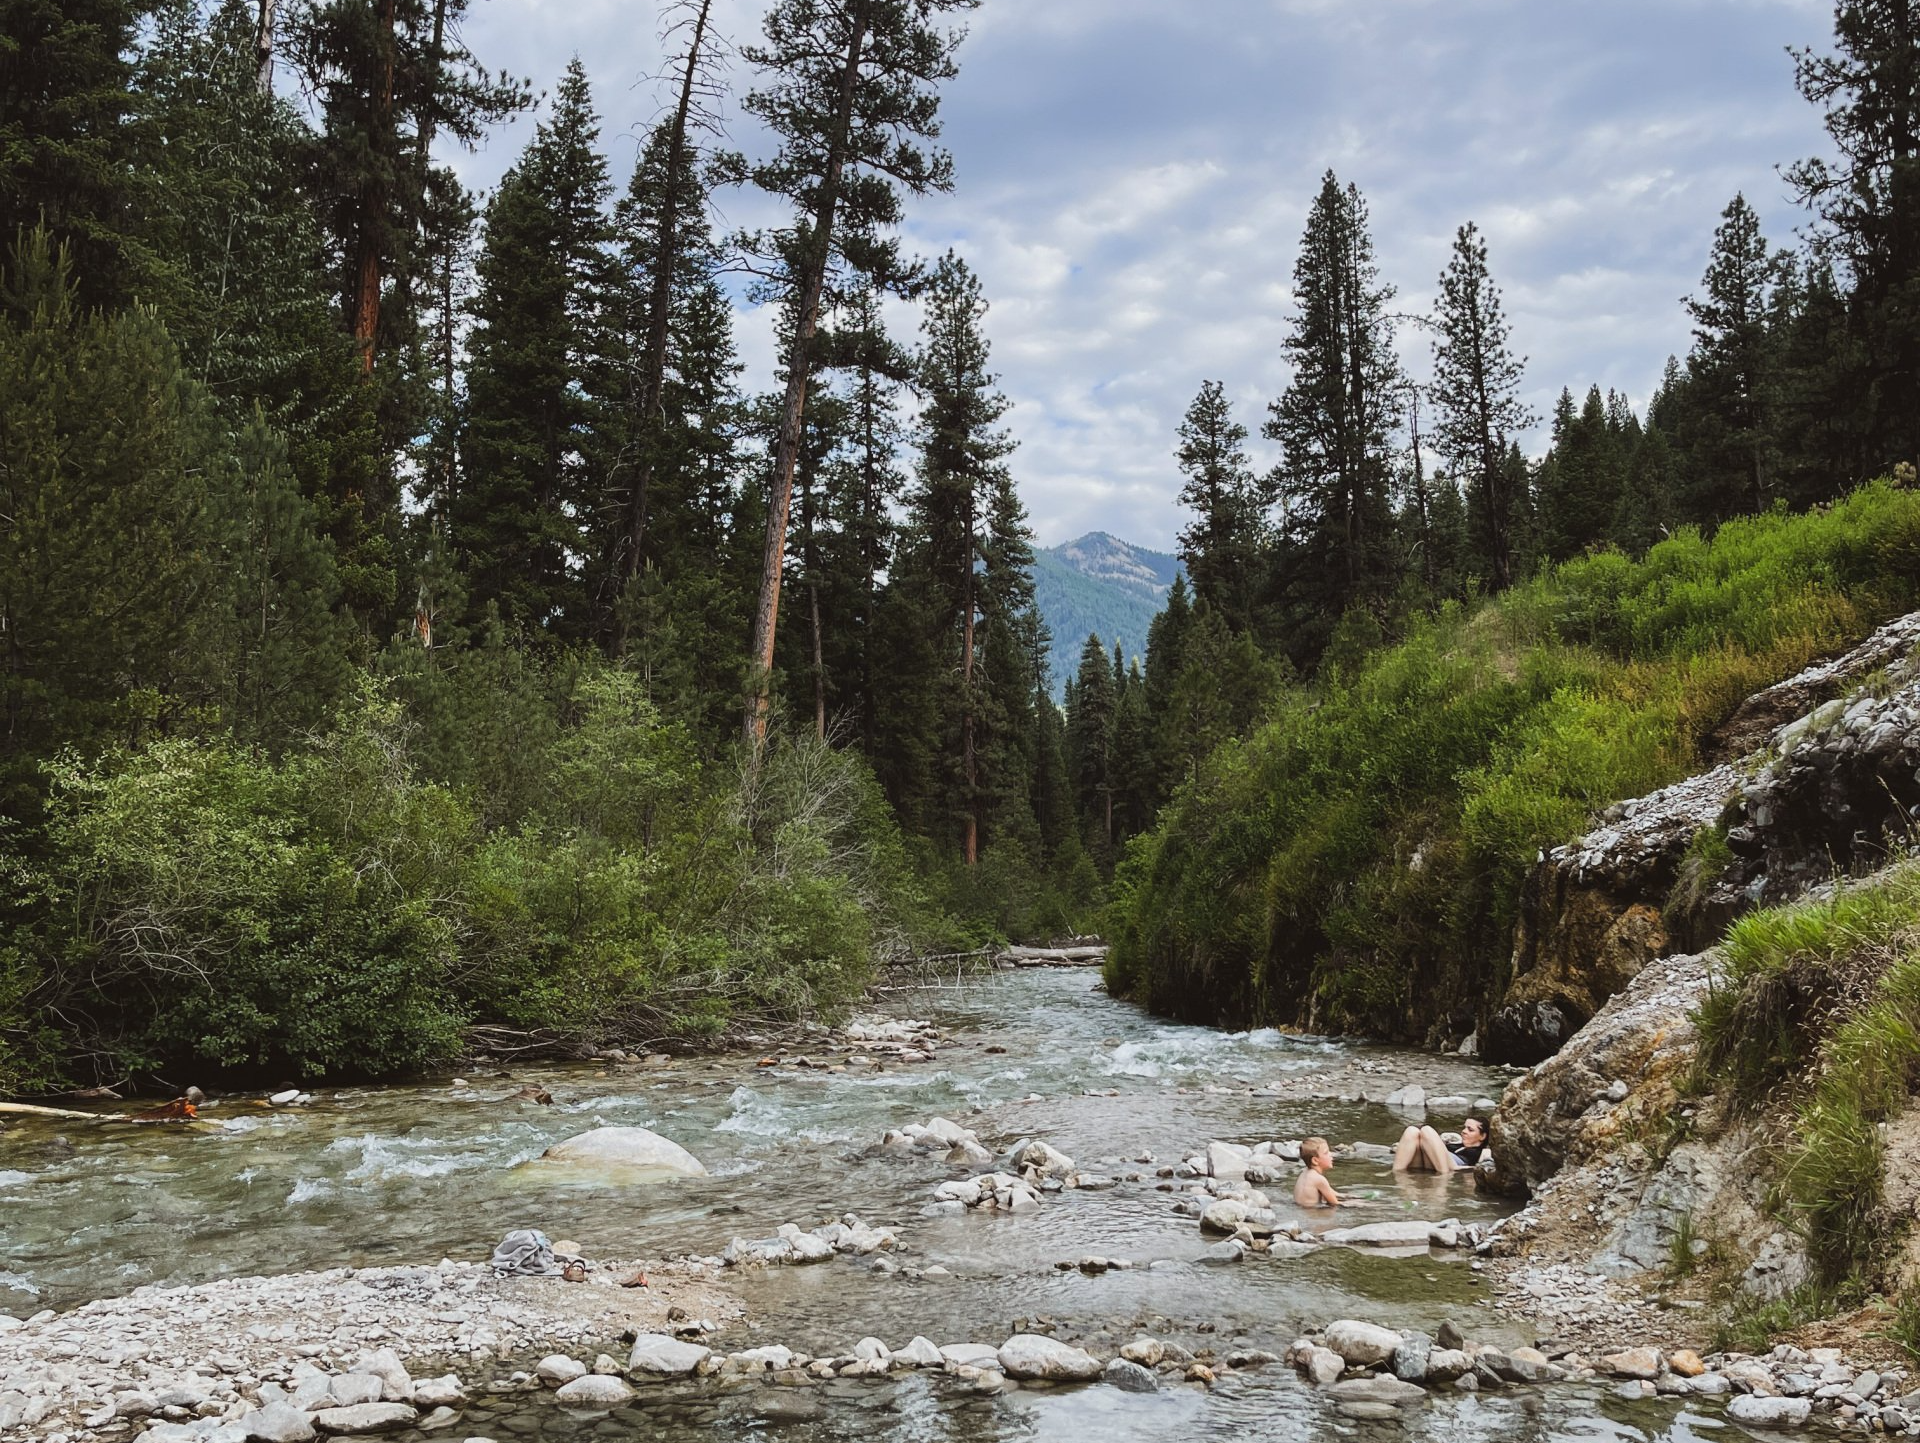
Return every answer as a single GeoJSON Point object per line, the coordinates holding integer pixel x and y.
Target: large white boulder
{"type": "Point", "coordinates": [631, 1150]}
{"type": "Point", "coordinates": [1029, 1355]}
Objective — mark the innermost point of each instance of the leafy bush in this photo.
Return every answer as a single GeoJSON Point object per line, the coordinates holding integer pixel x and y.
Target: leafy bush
{"type": "Point", "coordinates": [195, 905]}
{"type": "Point", "coordinates": [1359, 859]}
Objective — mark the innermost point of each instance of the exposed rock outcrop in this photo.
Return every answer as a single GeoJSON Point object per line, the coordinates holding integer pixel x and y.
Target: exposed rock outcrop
{"type": "Point", "coordinates": [1832, 784]}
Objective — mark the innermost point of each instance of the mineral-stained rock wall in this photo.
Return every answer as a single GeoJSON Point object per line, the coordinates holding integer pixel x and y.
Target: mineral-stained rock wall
{"type": "Point", "coordinates": [1832, 789]}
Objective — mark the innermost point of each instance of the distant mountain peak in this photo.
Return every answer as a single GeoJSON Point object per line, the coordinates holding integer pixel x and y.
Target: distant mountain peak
{"type": "Point", "coordinates": [1099, 584]}
{"type": "Point", "coordinates": [1108, 558]}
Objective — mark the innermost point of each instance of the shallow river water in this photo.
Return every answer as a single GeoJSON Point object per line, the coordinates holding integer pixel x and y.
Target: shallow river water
{"type": "Point", "coordinates": [413, 1173]}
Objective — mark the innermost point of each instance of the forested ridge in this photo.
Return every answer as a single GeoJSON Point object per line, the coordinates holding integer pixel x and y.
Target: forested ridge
{"type": "Point", "coordinates": [415, 625]}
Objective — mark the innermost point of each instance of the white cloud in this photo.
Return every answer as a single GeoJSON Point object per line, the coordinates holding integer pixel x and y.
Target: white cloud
{"type": "Point", "coordinates": [1133, 178]}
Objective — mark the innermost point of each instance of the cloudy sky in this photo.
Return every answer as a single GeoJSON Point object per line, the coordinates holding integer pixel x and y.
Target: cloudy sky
{"type": "Point", "coordinates": [1133, 177]}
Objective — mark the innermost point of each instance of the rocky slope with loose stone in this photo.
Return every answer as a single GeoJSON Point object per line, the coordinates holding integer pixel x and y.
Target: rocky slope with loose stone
{"type": "Point", "coordinates": [1815, 773]}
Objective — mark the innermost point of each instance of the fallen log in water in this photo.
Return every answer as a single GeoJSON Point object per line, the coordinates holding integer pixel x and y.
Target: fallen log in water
{"type": "Point", "coordinates": [1090, 956]}
{"type": "Point", "coordinates": [28, 1109]}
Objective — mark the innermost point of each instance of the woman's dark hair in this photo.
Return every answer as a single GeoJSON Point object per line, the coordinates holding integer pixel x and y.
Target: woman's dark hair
{"type": "Point", "coordinates": [1477, 1123]}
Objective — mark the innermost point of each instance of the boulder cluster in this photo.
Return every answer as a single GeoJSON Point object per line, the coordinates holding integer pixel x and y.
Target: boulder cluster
{"type": "Point", "coordinates": [1372, 1371]}
{"type": "Point", "coordinates": [790, 1245]}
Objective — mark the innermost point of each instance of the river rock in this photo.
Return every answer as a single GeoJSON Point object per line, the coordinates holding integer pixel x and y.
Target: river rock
{"type": "Point", "coordinates": [278, 1423]}
{"type": "Point", "coordinates": [1029, 1355]}
{"type": "Point", "coordinates": [1129, 1377]}
{"type": "Point", "coordinates": [396, 1384]}
{"type": "Point", "coordinates": [1366, 1409]}
{"type": "Point", "coordinates": [1230, 1251]}
{"type": "Point", "coordinates": [872, 1350]}
{"type": "Point", "coordinates": [1444, 1365]}
{"type": "Point", "coordinates": [1381, 1235]}
{"type": "Point", "coordinates": [1361, 1345]}
{"type": "Point", "coordinates": [1048, 1161]}
{"type": "Point", "coordinates": [658, 1356]}
{"type": "Point", "coordinates": [971, 1355]}
{"type": "Point", "coordinates": [1633, 1363]}
{"type": "Point", "coordinates": [436, 1420]}
{"type": "Point", "coordinates": [1377, 1390]}
{"type": "Point", "coordinates": [365, 1418]}
{"type": "Point", "coordinates": [1758, 1412]}
{"type": "Point", "coordinates": [351, 1389]}
{"type": "Point", "coordinates": [557, 1370]}
{"type": "Point", "coordinates": [1227, 1161]}
{"type": "Point", "coordinates": [1410, 1359]}
{"type": "Point", "coordinates": [1323, 1366]}
{"type": "Point", "coordinates": [444, 1392]}
{"type": "Point", "coordinates": [1147, 1352]}
{"type": "Point", "coordinates": [1225, 1216]}
{"type": "Point", "coordinates": [920, 1353]}
{"type": "Point", "coordinates": [1686, 1363]}
{"type": "Point", "coordinates": [1711, 1385]}
{"type": "Point", "coordinates": [1526, 1365]}
{"type": "Point", "coordinates": [631, 1150]}
{"type": "Point", "coordinates": [595, 1390]}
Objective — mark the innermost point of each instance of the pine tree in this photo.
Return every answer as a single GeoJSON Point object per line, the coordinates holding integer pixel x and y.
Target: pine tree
{"type": "Point", "coordinates": [971, 556]}
{"type": "Point", "coordinates": [1579, 486]}
{"type": "Point", "coordinates": [1166, 658]}
{"type": "Point", "coordinates": [1336, 416]}
{"type": "Point", "coordinates": [1222, 547]}
{"type": "Point", "coordinates": [668, 244]}
{"type": "Point", "coordinates": [850, 91]}
{"type": "Point", "coordinates": [237, 267]}
{"type": "Point", "coordinates": [1868, 200]}
{"type": "Point", "coordinates": [1647, 510]}
{"type": "Point", "coordinates": [1476, 393]}
{"type": "Point", "coordinates": [1090, 715]}
{"type": "Point", "coordinates": [112, 452]}
{"type": "Point", "coordinates": [516, 517]}
{"type": "Point", "coordinates": [389, 79]}
{"type": "Point", "coordinates": [1730, 371]}
{"type": "Point", "coordinates": [68, 115]}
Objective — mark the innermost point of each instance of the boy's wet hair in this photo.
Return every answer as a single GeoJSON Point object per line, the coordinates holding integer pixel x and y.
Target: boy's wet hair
{"type": "Point", "coordinates": [1312, 1147]}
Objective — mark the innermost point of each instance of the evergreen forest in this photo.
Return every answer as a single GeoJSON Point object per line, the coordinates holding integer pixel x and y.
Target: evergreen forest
{"type": "Point", "coordinates": [418, 631]}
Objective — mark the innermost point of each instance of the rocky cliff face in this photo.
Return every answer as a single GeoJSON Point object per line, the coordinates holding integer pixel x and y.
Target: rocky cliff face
{"type": "Point", "coordinates": [1824, 780]}
{"type": "Point", "coordinates": [1621, 1170]}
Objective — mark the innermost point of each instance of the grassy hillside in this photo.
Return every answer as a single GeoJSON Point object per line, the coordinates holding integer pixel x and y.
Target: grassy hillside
{"type": "Point", "coordinates": [1356, 862]}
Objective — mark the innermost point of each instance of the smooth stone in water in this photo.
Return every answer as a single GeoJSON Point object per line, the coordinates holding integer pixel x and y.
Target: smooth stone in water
{"type": "Point", "coordinates": [1410, 1359]}
{"type": "Point", "coordinates": [1362, 1345]}
{"type": "Point", "coordinates": [595, 1390]}
{"type": "Point", "coordinates": [658, 1356]}
{"type": "Point", "coordinates": [557, 1370]}
{"type": "Point", "coordinates": [1377, 1390]}
{"type": "Point", "coordinates": [1130, 1377]}
{"type": "Point", "coordinates": [1758, 1412]}
{"type": "Point", "coordinates": [1633, 1363]}
{"type": "Point", "coordinates": [1029, 1355]}
{"type": "Point", "coordinates": [366, 1418]}
{"type": "Point", "coordinates": [1324, 1365]}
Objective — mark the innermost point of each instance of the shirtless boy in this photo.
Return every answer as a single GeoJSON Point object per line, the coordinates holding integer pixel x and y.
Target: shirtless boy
{"type": "Point", "coordinates": [1313, 1190]}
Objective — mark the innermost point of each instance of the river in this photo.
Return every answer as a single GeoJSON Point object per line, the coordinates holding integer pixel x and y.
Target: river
{"type": "Point", "coordinates": [411, 1173]}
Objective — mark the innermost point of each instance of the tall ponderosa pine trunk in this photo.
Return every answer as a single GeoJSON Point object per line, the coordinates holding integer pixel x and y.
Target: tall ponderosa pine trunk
{"type": "Point", "coordinates": [373, 200]}
{"type": "Point", "coordinates": [653, 371]}
{"type": "Point", "coordinates": [816, 256]}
